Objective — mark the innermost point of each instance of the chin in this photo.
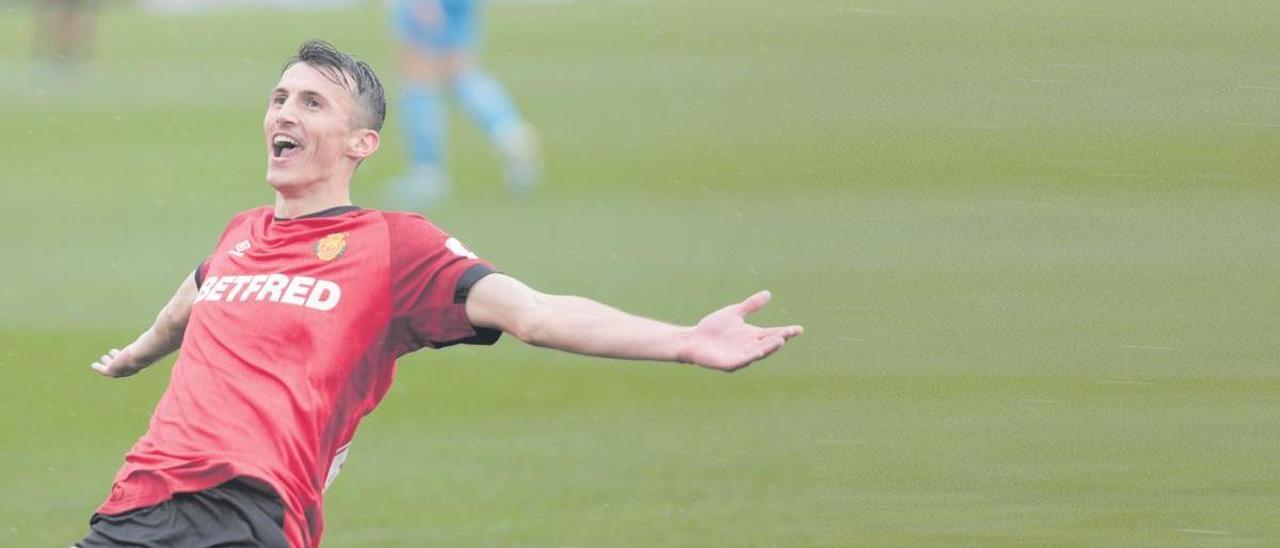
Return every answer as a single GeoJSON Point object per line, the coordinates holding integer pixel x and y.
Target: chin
{"type": "Point", "coordinates": [282, 181]}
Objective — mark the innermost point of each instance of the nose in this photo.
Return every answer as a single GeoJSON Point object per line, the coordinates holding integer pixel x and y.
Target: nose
{"type": "Point", "coordinates": [287, 113]}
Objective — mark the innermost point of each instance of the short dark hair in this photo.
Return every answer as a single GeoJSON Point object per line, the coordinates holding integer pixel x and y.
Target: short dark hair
{"type": "Point", "coordinates": [343, 69]}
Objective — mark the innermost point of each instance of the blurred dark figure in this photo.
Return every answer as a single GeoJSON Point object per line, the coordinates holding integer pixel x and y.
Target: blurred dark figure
{"type": "Point", "coordinates": [64, 32]}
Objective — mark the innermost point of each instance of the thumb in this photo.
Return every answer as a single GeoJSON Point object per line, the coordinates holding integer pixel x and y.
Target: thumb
{"type": "Point", "coordinates": [754, 303]}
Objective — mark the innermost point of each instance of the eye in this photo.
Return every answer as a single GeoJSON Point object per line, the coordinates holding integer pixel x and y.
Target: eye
{"type": "Point", "coordinates": [313, 104]}
{"type": "Point", "coordinates": [277, 100]}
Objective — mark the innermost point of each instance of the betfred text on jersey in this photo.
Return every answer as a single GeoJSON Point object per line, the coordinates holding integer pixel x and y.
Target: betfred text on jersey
{"type": "Point", "coordinates": [277, 288]}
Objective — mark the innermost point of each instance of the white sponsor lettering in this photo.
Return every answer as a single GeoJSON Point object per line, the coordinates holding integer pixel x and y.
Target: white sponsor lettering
{"type": "Point", "coordinates": [322, 295]}
{"type": "Point", "coordinates": [297, 290]}
{"type": "Point", "coordinates": [275, 284]}
{"type": "Point", "coordinates": [215, 294]}
{"type": "Point", "coordinates": [238, 282]}
{"type": "Point", "coordinates": [255, 284]}
{"type": "Point", "coordinates": [205, 287]}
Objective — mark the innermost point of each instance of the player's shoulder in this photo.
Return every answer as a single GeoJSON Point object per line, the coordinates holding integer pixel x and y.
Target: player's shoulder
{"type": "Point", "coordinates": [401, 216]}
{"type": "Point", "coordinates": [407, 222]}
{"type": "Point", "coordinates": [412, 233]}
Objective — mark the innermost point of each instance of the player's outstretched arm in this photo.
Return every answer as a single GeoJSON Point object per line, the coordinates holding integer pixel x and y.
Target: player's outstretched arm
{"type": "Point", "coordinates": [164, 336]}
{"type": "Point", "coordinates": [723, 340]}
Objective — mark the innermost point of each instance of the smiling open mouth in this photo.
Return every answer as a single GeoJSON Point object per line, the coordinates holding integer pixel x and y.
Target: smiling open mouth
{"type": "Point", "coordinates": [283, 146]}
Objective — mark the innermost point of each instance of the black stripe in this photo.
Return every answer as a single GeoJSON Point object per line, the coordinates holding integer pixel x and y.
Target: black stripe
{"type": "Point", "coordinates": [468, 279]}
{"type": "Point", "coordinates": [331, 212]}
{"type": "Point", "coordinates": [484, 335]}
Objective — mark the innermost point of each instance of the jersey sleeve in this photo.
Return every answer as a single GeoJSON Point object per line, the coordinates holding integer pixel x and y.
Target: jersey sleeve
{"type": "Point", "coordinates": [201, 271]}
{"type": "Point", "coordinates": [431, 277]}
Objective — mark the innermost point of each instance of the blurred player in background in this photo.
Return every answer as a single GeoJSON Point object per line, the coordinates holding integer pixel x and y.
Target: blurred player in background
{"type": "Point", "coordinates": [64, 32]}
{"type": "Point", "coordinates": [290, 331]}
{"type": "Point", "coordinates": [438, 40]}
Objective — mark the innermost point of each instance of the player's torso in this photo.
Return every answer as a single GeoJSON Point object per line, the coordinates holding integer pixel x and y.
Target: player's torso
{"type": "Point", "coordinates": [310, 293]}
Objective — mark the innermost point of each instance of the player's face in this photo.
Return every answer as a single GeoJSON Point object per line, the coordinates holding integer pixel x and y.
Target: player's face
{"type": "Point", "coordinates": [308, 129]}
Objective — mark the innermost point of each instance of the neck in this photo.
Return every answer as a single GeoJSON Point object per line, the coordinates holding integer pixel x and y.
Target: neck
{"type": "Point", "coordinates": [291, 204]}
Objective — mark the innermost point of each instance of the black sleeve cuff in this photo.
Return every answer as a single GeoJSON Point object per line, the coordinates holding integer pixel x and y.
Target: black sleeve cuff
{"type": "Point", "coordinates": [484, 335]}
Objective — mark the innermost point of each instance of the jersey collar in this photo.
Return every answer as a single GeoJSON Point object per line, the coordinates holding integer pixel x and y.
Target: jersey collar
{"type": "Point", "coordinates": [331, 212]}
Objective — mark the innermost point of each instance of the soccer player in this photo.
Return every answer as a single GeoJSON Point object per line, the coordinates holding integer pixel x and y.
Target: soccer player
{"type": "Point", "coordinates": [437, 41]}
{"type": "Point", "coordinates": [290, 330]}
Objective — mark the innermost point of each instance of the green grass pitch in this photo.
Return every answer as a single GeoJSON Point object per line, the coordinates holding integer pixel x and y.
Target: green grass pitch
{"type": "Point", "coordinates": [1035, 246]}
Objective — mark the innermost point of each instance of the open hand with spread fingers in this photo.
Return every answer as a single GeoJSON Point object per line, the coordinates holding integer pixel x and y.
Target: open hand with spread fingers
{"type": "Point", "coordinates": [723, 340]}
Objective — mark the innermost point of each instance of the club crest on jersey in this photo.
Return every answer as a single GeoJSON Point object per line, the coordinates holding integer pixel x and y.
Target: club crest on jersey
{"type": "Point", "coordinates": [332, 246]}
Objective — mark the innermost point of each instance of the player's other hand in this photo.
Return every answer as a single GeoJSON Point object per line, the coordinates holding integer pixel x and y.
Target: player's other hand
{"type": "Point", "coordinates": [117, 363]}
{"type": "Point", "coordinates": [725, 341]}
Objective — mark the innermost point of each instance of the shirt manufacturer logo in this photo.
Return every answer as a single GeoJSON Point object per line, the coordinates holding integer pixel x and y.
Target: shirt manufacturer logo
{"type": "Point", "coordinates": [240, 248]}
{"type": "Point", "coordinates": [331, 247]}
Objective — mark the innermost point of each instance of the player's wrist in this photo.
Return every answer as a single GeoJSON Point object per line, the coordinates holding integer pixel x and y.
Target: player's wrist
{"type": "Point", "coordinates": [134, 359]}
{"type": "Point", "coordinates": [684, 345]}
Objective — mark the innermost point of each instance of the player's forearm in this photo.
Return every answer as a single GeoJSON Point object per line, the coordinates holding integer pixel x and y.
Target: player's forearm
{"type": "Point", "coordinates": [158, 341]}
{"type": "Point", "coordinates": [163, 337]}
{"type": "Point", "coordinates": [165, 334]}
{"type": "Point", "coordinates": [584, 326]}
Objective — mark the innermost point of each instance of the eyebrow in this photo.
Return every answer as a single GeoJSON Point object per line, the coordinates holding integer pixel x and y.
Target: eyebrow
{"type": "Point", "coordinates": [314, 93]}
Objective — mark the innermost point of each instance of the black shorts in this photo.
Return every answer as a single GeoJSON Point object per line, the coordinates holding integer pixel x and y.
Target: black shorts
{"type": "Point", "coordinates": [231, 514]}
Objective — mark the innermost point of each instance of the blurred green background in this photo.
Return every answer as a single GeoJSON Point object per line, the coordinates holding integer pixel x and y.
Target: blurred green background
{"type": "Point", "coordinates": [1035, 246]}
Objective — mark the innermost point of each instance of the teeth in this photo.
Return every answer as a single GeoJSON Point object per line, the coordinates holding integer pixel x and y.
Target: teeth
{"type": "Point", "coordinates": [284, 140]}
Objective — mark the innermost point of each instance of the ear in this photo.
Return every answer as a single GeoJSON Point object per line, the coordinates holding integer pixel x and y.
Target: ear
{"type": "Point", "coordinates": [363, 143]}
